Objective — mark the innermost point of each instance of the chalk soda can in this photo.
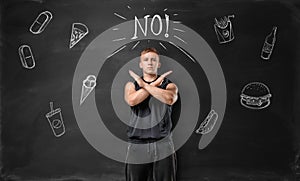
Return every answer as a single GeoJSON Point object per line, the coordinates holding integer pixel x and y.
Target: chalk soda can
{"type": "Point", "coordinates": [55, 120]}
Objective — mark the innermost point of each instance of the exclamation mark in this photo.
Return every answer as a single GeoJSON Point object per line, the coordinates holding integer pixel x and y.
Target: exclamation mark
{"type": "Point", "coordinates": [167, 25]}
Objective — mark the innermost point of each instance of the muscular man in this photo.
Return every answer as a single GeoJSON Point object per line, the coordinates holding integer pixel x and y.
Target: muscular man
{"type": "Point", "coordinates": [151, 98]}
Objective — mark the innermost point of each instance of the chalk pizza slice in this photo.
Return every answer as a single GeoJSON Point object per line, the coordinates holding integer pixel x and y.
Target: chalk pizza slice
{"type": "Point", "coordinates": [79, 31]}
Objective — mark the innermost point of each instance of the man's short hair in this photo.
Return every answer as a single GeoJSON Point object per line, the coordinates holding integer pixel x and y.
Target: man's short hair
{"type": "Point", "coordinates": [147, 50]}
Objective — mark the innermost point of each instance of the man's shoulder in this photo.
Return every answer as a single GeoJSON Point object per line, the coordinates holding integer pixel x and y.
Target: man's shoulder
{"type": "Point", "coordinates": [129, 83]}
{"type": "Point", "coordinates": [165, 82]}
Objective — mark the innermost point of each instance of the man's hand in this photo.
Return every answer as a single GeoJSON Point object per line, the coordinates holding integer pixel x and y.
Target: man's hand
{"type": "Point", "coordinates": [137, 78]}
{"type": "Point", "coordinates": [160, 79]}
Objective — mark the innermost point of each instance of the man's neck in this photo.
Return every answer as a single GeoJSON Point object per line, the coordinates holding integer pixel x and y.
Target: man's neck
{"type": "Point", "coordinates": [149, 77]}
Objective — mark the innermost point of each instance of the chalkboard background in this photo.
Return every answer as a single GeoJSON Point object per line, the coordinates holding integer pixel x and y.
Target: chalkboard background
{"type": "Point", "coordinates": [250, 144]}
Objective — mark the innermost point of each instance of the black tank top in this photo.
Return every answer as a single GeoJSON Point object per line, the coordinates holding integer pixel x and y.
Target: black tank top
{"type": "Point", "coordinates": [150, 119]}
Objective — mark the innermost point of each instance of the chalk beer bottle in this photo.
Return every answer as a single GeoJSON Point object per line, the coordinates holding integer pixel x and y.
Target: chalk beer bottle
{"type": "Point", "coordinates": [269, 44]}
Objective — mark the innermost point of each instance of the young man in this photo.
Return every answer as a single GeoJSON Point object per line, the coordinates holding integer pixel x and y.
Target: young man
{"type": "Point", "coordinates": [151, 98]}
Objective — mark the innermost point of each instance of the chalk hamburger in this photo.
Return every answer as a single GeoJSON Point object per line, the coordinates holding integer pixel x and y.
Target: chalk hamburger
{"type": "Point", "coordinates": [255, 95]}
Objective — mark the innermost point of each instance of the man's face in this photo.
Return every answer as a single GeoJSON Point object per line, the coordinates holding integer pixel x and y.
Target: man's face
{"type": "Point", "coordinates": [149, 63]}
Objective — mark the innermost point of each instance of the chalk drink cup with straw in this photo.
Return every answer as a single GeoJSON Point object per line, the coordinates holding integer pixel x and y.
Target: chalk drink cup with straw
{"type": "Point", "coordinates": [56, 121]}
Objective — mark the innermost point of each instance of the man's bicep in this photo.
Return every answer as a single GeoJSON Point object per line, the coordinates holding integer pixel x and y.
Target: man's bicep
{"type": "Point", "coordinates": [129, 90]}
{"type": "Point", "coordinates": [172, 88]}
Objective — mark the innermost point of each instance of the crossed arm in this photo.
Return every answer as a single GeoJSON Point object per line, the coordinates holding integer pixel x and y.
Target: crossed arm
{"type": "Point", "coordinates": [133, 97]}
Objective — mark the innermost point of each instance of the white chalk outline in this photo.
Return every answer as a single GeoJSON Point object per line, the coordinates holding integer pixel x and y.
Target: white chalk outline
{"type": "Point", "coordinates": [60, 121]}
{"type": "Point", "coordinates": [176, 29]}
{"type": "Point", "coordinates": [205, 127]}
{"type": "Point", "coordinates": [180, 39]}
{"type": "Point", "coordinates": [120, 39]}
{"type": "Point", "coordinates": [85, 90]}
{"type": "Point", "coordinates": [267, 46]}
{"type": "Point", "coordinates": [166, 35]}
{"type": "Point", "coordinates": [182, 50]}
{"type": "Point", "coordinates": [115, 52]}
{"type": "Point", "coordinates": [163, 45]}
{"type": "Point", "coordinates": [23, 58]}
{"type": "Point", "coordinates": [177, 22]}
{"type": "Point", "coordinates": [135, 45]}
{"type": "Point", "coordinates": [222, 24]}
{"type": "Point", "coordinates": [258, 101]}
{"type": "Point", "coordinates": [82, 32]}
{"type": "Point", "coordinates": [120, 16]}
{"type": "Point", "coordinates": [43, 25]}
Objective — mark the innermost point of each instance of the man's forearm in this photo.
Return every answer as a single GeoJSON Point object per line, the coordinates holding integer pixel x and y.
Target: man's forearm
{"type": "Point", "coordinates": [162, 95]}
{"type": "Point", "coordinates": [138, 97]}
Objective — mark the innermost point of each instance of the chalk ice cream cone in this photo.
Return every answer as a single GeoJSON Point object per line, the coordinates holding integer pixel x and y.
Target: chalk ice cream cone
{"type": "Point", "coordinates": [87, 87]}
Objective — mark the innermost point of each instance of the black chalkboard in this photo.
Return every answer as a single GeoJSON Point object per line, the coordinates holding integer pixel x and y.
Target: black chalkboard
{"type": "Point", "coordinates": [250, 144]}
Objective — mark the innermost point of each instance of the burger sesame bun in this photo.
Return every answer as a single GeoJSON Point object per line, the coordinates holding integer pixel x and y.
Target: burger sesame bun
{"type": "Point", "coordinates": [255, 95]}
